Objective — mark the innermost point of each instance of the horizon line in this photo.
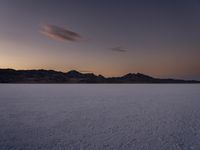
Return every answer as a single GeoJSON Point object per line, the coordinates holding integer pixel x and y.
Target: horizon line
{"type": "Point", "coordinates": [90, 72]}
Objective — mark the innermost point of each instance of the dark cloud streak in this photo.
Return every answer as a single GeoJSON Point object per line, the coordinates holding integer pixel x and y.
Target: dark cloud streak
{"type": "Point", "coordinates": [118, 49]}
{"type": "Point", "coordinates": [59, 33]}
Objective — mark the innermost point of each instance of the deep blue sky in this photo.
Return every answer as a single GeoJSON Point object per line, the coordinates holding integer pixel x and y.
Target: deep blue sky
{"type": "Point", "coordinates": [160, 38]}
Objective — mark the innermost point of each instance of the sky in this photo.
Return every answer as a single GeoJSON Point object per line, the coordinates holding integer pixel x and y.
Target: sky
{"type": "Point", "coordinates": [109, 37]}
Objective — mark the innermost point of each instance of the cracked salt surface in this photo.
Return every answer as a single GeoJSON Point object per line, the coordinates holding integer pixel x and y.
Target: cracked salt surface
{"type": "Point", "coordinates": [99, 117]}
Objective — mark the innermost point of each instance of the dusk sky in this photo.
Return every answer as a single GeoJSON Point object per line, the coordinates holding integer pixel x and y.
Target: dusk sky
{"type": "Point", "coordinates": [109, 37]}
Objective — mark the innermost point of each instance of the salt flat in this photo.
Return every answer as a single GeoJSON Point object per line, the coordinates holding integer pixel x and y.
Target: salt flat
{"type": "Point", "coordinates": [99, 117]}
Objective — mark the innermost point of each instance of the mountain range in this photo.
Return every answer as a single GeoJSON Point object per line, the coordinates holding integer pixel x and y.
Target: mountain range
{"type": "Point", "coordinates": [73, 76]}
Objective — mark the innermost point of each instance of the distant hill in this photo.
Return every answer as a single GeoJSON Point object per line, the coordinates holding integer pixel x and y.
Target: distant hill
{"type": "Point", "coordinates": [73, 76]}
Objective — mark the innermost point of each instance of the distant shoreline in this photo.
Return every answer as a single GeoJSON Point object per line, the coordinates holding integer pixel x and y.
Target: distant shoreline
{"type": "Point", "coordinates": [102, 83]}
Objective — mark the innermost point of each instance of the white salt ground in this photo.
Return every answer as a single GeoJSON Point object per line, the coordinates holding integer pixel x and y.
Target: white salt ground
{"type": "Point", "coordinates": [99, 117]}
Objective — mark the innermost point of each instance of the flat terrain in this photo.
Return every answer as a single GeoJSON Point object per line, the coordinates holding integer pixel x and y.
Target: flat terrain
{"type": "Point", "coordinates": [99, 117]}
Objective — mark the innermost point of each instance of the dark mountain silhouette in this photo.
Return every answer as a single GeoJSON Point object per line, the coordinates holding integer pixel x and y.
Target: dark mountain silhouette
{"type": "Point", "coordinates": [73, 76]}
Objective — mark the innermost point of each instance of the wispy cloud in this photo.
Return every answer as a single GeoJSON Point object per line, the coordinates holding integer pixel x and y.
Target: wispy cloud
{"type": "Point", "coordinates": [85, 71]}
{"type": "Point", "coordinates": [119, 49]}
{"type": "Point", "coordinates": [59, 33]}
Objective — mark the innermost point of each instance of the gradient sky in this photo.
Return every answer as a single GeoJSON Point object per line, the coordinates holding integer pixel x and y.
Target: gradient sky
{"type": "Point", "coordinates": [110, 37]}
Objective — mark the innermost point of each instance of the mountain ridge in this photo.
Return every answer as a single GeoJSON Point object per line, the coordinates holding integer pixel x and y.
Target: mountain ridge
{"type": "Point", "coordinates": [74, 76]}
